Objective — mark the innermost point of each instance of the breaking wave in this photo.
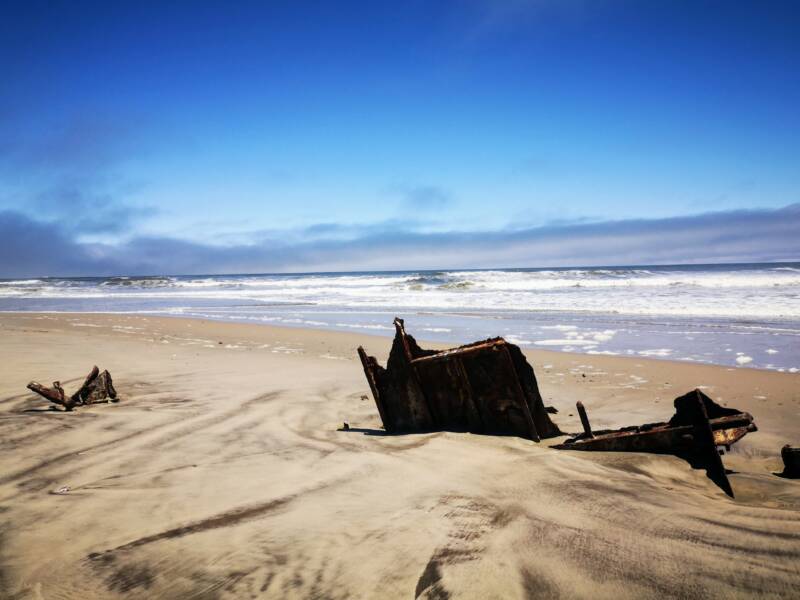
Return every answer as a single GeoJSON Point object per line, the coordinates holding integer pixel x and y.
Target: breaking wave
{"type": "Point", "coordinates": [138, 282]}
{"type": "Point", "coordinates": [739, 291]}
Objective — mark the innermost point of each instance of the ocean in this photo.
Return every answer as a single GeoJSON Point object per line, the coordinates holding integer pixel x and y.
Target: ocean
{"type": "Point", "coordinates": [742, 315]}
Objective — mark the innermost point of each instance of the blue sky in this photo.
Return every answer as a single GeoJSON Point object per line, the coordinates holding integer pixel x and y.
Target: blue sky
{"type": "Point", "coordinates": [299, 136]}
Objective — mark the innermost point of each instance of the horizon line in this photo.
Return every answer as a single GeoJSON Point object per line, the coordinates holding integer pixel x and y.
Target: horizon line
{"type": "Point", "coordinates": [392, 271]}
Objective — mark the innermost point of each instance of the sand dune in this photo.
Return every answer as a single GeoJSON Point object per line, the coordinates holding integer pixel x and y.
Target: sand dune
{"type": "Point", "coordinates": [222, 474]}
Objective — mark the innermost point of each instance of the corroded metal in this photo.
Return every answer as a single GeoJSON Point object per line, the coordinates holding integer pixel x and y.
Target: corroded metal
{"type": "Point", "coordinates": [485, 387]}
{"type": "Point", "coordinates": [697, 428]}
{"type": "Point", "coordinates": [791, 462]}
{"type": "Point", "coordinates": [97, 388]}
{"type": "Point", "coordinates": [587, 428]}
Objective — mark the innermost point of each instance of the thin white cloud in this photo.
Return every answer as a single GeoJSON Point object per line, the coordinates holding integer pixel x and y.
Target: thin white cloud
{"type": "Point", "coordinates": [31, 248]}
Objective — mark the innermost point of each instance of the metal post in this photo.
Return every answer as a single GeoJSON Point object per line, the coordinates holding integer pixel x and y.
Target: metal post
{"type": "Point", "coordinates": [587, 429]}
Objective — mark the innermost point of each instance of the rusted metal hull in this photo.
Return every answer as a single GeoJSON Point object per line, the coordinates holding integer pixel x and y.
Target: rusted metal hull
{"type": "Point", "coordinates": [485, 387]}
{"type": "Point", "coordinates": [697, 429]}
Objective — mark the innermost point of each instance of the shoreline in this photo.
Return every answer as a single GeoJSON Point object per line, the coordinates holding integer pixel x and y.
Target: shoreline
{"type": "Point", "coordinates": [615, 384]}
{"type": "Point", "coordinates": [526, 348]}
{"type": "Point", "coordinates": [734, 315]}
{"type": "Point", "coordinates": [224, 472]}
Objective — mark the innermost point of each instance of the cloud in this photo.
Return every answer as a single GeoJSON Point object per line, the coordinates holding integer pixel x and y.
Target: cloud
{"type": "Point", "coordinates": [69, 172]}
{"type": "Point", "coordinates": [422, 197]}
{"type": "Point", "coordinates": [31, 248]}
{"type": "Point", "coordinates": [325, 231]}
{"type": "Point", "coordinates": [80, 144]}
{"type": "Point", "coordinates": [84, 209]}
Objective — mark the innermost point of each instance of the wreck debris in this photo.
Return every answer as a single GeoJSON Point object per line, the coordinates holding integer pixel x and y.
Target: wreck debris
{"type": "Point", "coordinates": [96, 389]}
{"type": "Point", "coordinates": [791, 462]}
{"type": "Point", "coordinates": [484, 387]}
{"type": "Point", "coordinates": [587, 428]}
{"type": "Point", "coordinates": [697, 428]}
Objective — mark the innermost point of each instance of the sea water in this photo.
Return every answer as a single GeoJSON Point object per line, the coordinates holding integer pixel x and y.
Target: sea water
{"type": "Point", "coordinates": [744, 315]}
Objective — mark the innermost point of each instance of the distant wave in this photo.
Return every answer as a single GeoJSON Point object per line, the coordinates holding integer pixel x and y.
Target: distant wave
{"type": "Point", "coordinates": [137, 282]}
{"type": "Point", "coordinates": [761, 291]}
{"type": "Point", "coordinates": [21, 282]}
{"type": "Point", "coordinates": [512, 280]}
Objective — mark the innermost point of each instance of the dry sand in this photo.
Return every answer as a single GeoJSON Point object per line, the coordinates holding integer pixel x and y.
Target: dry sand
{"type": "Point", "coordinates": [221, 474]}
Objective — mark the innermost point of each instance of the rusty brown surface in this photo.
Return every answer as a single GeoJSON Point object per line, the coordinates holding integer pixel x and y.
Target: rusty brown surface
{"type": "Point", "coordinates": [97, 388]}
{"type": "Point", "coordinates": [485, 387]}
{"type": "Point", "coordinates": [587, 428]}
{"type": "Point", "coordinates": [695, 432]}
{"type": "Point", "coordinates": [791, 462]}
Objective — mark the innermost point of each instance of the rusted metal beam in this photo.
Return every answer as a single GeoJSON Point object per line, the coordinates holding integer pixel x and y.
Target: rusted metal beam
{"type": "Point", "coordinates": [369, 371]}
{"type": "Point", "coordinates": [400, 330]}
{"type": "Point", "coordinates": [706, 447]}
{"type": "Point", "coordinates": [587, 429]}
{"type": "Point", "coordinates": [469, 349]}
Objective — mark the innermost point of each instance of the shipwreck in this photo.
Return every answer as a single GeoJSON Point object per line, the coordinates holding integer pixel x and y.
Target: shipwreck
{"type": "Point", "coordinates": [697, 432]}
{"type": "Point", "coordinates": [97, 388]}
{"type": "Point", "coordinates": [484, 387]}
{"type": "Point", "coordinates": [489, 387]}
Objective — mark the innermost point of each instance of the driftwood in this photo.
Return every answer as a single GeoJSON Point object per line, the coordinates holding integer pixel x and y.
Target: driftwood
{"type": "Point", "coordinates": [696, 430]}
{"type": "Point", "coordinates": [485, 387]}
{"type": "Point", "coordinates": [791, 462]}
{"type": "Point", "coordinates": [96, 389]}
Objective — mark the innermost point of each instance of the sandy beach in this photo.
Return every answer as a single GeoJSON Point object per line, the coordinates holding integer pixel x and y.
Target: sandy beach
{"type": "Point", "coordinates": [223, 473]}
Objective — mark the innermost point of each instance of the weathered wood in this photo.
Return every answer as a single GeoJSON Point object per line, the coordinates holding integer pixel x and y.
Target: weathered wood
{"type": "Point", "coordinates": [485, 387]}
{"type": "Point", "coordinates": [97, 388]}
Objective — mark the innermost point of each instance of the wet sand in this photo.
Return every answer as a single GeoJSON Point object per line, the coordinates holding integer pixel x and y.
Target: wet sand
{"type": "Point", "coordinates": [222, 473]}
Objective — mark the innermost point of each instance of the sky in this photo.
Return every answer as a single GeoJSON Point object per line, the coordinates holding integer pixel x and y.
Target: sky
{"type": "Point", "coordinates": [209, 137]}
